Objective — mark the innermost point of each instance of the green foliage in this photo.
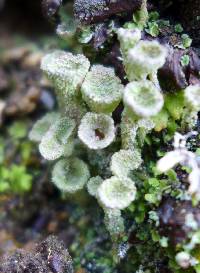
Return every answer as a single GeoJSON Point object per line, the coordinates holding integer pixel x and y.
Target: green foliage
{"type": "Point", "coordinates": [186, 40]}
{"type": "Point", "coordinates": [178, 28]}
{"type": "Point", "coordinates": [174, 103]}
{"type": "Point", "coordinates": [15, 179]}
{"type": "Point", "coordinates": [161, 120]}
{"type": "Point", "coordinates": [18, 130]}
{"type": "Point", "coordinates": [153, 29]}
{"type": "Point", "coordinates": [185, 60]}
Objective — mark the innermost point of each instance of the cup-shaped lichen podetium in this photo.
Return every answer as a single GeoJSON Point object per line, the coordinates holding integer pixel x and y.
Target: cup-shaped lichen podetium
{"type": "Point", "coordinates": [96, 131]}
{"type": "Point", "coordinates": [93, 185]}
{"type": "Point", "coordinates": [117, 193]}
{"type": "Point", "coordinates": [65, 70]}
{"type": "Point", "coordinates": [145, 59]}
{"type": "Point", "coordinates": [143, 98]}
{"type": "Point", "coordinates": [70, 174]}
{"type": "Point", "coordinates": [55, 142]}
{"type": "Point", "coordinates": [128, 38]}
{"type": "Point", "coordinates": [41, 127]}
{"type": "Point", "coordinates": [192, 96]}
{"type": "Point", "coordinates": [102, 89]}
{"type": "Point", "coordinates": [125, 161]}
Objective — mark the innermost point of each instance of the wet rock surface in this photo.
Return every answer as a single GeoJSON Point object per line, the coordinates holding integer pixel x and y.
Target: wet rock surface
{"type": "Point", "coordinates": [173, 218]}
{"type": "Point", "coordinates": [50, 256]}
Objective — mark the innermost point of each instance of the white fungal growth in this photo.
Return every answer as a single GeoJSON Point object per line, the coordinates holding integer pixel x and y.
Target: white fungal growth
{"type": "Point", "coordinates": [102, 89]}
{"type": "Point", "coordinates": [185, 260]}
{"type": "Point", "coordinates": [96, 131]}
{"type": "Point", "coordinates": [42, 125]}
{"type": "Point", "coordinates": [125, 161]}
{"type": "Point", "coordinates": [186, 158]}
{"type": "Point", "coordinates": [67, 71]}
{"type": "Point", "coordinates": [70, 175]}
{"type": "Point", "coordinates": [192, 96]}
{"type": "Point", "coordinates": [93, 185]}
{"type": "Point", "coordinates": [143, 98]}
{"type": "Point", "coordinates": [194, 180]}
{"type": "Point", "coordinates": [123, 249]}
{"type": "Point", "coordinates": [170, 160]}
{"type": "Point", "coordinates": [53, 143]}
{"type": "Point", "coordinates": [117, 193]}
{"type": "Point", "coordinates": [144, 59]}
{"type": "Point", "coordinates": [128, 38]}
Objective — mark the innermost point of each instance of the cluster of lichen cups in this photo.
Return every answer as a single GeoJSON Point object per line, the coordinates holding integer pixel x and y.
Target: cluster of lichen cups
{"type": "Point", "coordinates": [87, 96]}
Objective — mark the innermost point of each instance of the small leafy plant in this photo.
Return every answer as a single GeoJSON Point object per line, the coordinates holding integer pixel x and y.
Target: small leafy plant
{"type": "Point", "coordinates": [15, 178]}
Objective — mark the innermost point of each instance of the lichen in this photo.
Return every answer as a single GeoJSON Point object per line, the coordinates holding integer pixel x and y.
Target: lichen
{"type": "Point", "coordinates": [101, 89]}
{"type": "Point", "coordinates": [143, 98]}
{"type": "Point", "coordinates": [114, 132]}
{"type": "Point", "coordinates": [70, 175]}
{"type": "Point", "coordinates": [96, 131]}
{"type": "Point", "coordinates": [116, 193]}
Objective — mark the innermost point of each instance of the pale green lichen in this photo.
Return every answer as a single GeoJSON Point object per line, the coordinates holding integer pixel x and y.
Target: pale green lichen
{"type": "Point", "coordinates": [125, 161]}
{"type": "Point", "coordinates": [143, 98]}
{"type": "Point", "coordinates": [70, 175]}
{"type": "Point", "coordinates": [192, 96]}
{"type": "Point", "coordinates": [117, 193]}
{"type": "Point", "coordinates": [133, 131]}
{"type": "Point", "coordinates": [128, 38]}
{"type": "Point", "coordinates": [53, 143]}
{"type": "Point", "coordinates": [41, 127]}
{"type": "Point", "coordinates": [67, 72]}
{"type": "Point", "coordinates": [114, 221]}
{"type": "Point", "coordinates": [145, 59]}
{"type": "Point", "coordinates": [96, 131]}
{"type": "Point", "coordinates": [118, 131]}
{"type": "Point", "coordinates": [93, 185]}
{"type": "Point", "coordinates": [101, 89]}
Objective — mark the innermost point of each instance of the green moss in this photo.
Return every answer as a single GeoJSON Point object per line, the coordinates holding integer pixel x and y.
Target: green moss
{"type": "Point", "coordinates": [16, 178]}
